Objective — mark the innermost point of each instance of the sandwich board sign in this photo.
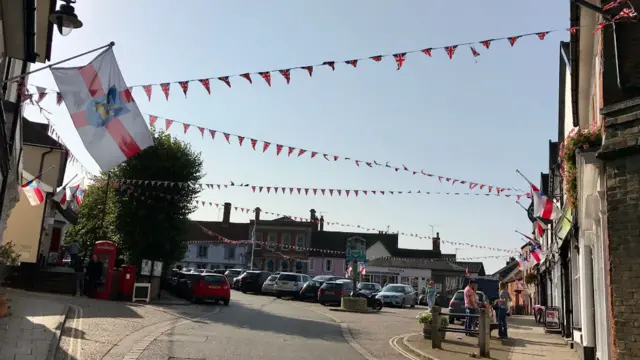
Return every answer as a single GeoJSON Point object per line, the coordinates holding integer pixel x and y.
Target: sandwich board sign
{"type": "Point", "coordinates": [356, 249]}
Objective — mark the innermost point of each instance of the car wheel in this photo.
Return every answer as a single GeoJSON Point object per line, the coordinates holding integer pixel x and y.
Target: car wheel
{"type": "Point", "coordinates": [226, 302]}
{"type": "Point", "coordinates": [413, 303]}
{"type": "Point", "coordinates": [402, 304]}
{"type": "Point", "coordinates": [278, 295]}
{"type": "Point", "coordinates": [323, 303]}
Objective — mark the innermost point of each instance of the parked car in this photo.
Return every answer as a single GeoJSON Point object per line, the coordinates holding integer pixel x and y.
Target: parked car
{"type": "Point", "coordinates": [269, 286]}
{"type": "Point", "coordinates": [199, 287]}
{"type": "Point", "coordinates": [231, 274]}
{"type": "Point", "coordinates": [332, 292]}
{"type": "Point", "coordinates": [369, 288]}
{"type": "Point", "coordinates": [456, 305]}
{"type": "Point", "coordinates": [398, 295]}
{"type": "Point", "coordinates": [311, 287]}
{"type": "Point", "coordinates": [219, 271]}
{"type": "Point", "coordinates": [252, 281]}
{"type": "Point", "coordinates": [289, 284]}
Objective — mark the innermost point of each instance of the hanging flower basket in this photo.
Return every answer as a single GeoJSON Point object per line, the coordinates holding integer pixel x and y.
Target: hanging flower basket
{"type": "Point", "coordinates": [424, 318]}
{"type": "Point", "coordinates": [531, 278]}
{"type": "Point", "coordinates": [582, 140]}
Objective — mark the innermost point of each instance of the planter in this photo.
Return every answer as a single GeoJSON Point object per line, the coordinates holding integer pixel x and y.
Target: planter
{"type": "Point", "coordinates": [426, 332]}
{"type": "Point", "coordinates": [354, 304]}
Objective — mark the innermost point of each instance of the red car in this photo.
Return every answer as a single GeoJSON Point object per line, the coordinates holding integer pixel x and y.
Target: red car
{"type": "Point", "coordinates": [209, 286]}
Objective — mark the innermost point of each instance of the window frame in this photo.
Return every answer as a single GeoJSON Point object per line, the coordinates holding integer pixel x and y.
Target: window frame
{"type": "Point", "coordinates": [258, 240]}
{"type": "Point", "coordinates": [330, 263]}
{"type": "Point", "coordinates": [285, 245]}
{"type": "Point", "coordinates": [199, 253]}
{"type": "Point", "coordinates": [272, 244]}
{"type": "Point", "coordinates": [300, 241]}
{"type": "Point", "coordinates": [312, 264]}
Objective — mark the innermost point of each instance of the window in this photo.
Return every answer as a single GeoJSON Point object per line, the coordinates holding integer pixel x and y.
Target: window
{"type": "Point", "coordinates": [258, 240]}
{"type": "Point", "coordinates": [229, 253]}
{"type": "Point", "coordinates": [328, 265]}
{"type": "Point", "coordinates": [270, 266]}
{"type": "Point", "coordinates": [201, 266]}
{"type": "Point", "coordinates": [299, 267]}
{"type": "Point", "coordinates": [202, 251]}
{"type": "Point", "coordinates": [312, 264]}
{"type": "Point", "coordinates": [575, 287]}
{"type": "Point", "coordinates": [300, 242]}
{"type": "Point", "coordinates": [213, 267]}
{"type": "Point", "coordinates": [271, 241]}
{"type": "Point", "coordinates": [286, 241]}
{"type": "Point", "coordinates": [284, 265]}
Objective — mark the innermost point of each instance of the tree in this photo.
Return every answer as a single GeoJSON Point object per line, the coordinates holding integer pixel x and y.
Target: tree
{"type": "Point", "coordinates": [151, 221]}
{"type": "Point", "coordinates": [96, 217]}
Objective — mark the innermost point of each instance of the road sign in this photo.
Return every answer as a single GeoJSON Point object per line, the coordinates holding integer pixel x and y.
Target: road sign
{"type": "Point", "coordinates": [356, 249]}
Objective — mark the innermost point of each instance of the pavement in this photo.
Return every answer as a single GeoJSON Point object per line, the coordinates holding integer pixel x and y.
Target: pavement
{"type": "Point", "coordinates": [527, 341]}
{"type": "Point", "coordinates": [252, 326]}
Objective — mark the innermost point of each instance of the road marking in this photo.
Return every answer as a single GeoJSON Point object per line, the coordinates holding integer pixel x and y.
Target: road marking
{"type": "Point", "coordinates": [75, 340]}
{"type": "Point", "coordinates": [393, 342]}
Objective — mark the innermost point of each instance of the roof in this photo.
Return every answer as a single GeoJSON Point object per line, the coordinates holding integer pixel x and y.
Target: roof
{"type": "Point", "coordinates": [505, 271]}
{"type": "Point", "coordinates": [337, 240]}
{"type": "Point", "coordinates": [473, 266]}
{"type": "Point", "coordinates": [34, 133]}
{"type": "Point", "coordinates": [431, 264]}
{"type": "Point", "coordinates": [231, 231]}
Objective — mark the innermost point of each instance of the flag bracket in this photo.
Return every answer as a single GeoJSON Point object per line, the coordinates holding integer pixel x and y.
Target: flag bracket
{"type": "Point", "coordinates": [109, 45]}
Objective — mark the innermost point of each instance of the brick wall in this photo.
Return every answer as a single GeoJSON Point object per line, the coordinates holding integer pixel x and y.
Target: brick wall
{"type": "Point", "coordinates": [621, 155]}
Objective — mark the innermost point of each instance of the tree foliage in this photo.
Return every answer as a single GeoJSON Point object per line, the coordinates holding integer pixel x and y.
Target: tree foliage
{"type": "Point", "coordinates": [145, 221]}
{"type": "Point", "coordinates": [151, 221]}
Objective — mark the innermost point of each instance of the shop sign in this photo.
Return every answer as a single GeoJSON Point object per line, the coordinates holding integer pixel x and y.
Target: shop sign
{"type": "Point", "coordinates": [552, 318]}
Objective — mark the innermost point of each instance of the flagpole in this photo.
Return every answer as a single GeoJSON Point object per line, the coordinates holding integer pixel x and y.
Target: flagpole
{"type": "Point", "coordinates": [524, 177]}
{"type": "Point", "coordinates": [522, 206]}
{"type": "Point", "coordinates": [69, 182]}
{"type": "Point", "coordinates": [109, 45]}
{"type": "Point", "coordinates": [39, 175]}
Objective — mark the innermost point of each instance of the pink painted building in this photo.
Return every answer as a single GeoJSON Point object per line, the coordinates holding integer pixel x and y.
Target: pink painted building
{"type": "Point", "coordinates": [326, 266]}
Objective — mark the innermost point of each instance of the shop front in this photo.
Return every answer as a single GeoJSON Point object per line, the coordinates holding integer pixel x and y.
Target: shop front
{"type": "Point", "coordinates": [417, 278]}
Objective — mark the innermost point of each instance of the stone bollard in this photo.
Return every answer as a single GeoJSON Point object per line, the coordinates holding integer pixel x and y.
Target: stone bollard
{"type": "Point", "coordinates": [435, 328]}
{"type": "Point", "coordinates": [354, 304]}
{"type": "Point", "coordinates": [484, 332]}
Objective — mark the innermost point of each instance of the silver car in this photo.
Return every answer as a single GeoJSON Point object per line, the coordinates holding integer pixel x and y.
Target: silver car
{"type": "Point", "coordinates": [398, 295]}
{"type": "Point", "coordinates": [269, 286]}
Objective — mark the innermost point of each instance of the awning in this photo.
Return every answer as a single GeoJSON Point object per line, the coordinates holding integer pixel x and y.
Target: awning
{"type": "Point", "coordinates": [564, 225]}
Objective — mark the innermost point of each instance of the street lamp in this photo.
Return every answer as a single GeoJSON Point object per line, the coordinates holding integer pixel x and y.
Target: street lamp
{"type": "Point", "coordinates": [65, 18]}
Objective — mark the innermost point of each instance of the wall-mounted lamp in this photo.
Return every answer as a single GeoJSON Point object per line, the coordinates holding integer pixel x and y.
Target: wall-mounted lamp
{"type": "Point", "coordinates": [65, 18]}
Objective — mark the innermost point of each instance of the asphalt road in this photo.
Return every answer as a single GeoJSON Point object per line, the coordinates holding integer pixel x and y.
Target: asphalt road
{"type": "Point", "coordinates": [254, 327]}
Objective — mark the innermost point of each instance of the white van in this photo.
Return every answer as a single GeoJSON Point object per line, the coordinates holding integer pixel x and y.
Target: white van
{"type": "Point", "coordinates": [290, 284]}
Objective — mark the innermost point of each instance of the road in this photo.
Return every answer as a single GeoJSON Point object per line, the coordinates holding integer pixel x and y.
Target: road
{"type": "Point", "coordinates": [252, 326]}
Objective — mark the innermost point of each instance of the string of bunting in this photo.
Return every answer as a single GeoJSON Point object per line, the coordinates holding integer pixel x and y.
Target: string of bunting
{"type": "Point", "coordinates": [305, 191]}
{"type": "Point", "coordinates": [221, 239]}
{"type": "Point", "coordinates": [399, 58]}
{"type": "Point", "coordinates": [245, 210]}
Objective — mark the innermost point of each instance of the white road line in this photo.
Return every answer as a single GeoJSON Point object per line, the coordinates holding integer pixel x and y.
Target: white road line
{"type": "Point", "coordinates": [80, 334]}
{"type": "Point", "coordinates": [393, 342]}
{"type": "Point", "coordinates": [72, 337]}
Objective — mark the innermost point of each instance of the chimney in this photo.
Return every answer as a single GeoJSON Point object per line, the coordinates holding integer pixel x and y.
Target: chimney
{"type": "Point", "coordinates": [321, 223]}
{"type": "Point", "coordinates": [436, 242]}
{"type": "Point", "coordinates": [313, 219]}
{"type": "Point", "coordinates": [257, 217]}
{"type": "Point", "coordinates": [226, 213]}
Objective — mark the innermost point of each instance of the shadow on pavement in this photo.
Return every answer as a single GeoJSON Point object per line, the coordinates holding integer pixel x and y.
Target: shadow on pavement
{"type": "Point", "coordinates": [244, 317]}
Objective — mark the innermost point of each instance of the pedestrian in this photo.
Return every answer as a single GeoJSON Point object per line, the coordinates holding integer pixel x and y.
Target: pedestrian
{"type": "Point", "coordinates": [94, 276]}
{"type": "Point", "coordinates": [503, 303]}
{"type": "Point", "coordinates": [470, 306]}
{"type": "Point", "coordinates": [78, 267]}
{"type": "Point", "coordinates": [431, 294]}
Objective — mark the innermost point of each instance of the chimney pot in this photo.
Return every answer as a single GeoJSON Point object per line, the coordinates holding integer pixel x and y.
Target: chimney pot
{"type": "Point", "coordinates": [257, 216]}
{"type": "Point", "coordinates": [226, 213]}
{"type": "Point", "coordinates": [321, 223]}
{"type": "Point", "coordinates": [436, 242]}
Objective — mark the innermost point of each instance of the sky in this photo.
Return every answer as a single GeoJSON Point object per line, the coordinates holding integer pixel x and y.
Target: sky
{"type": "Point", "coordinates": [475, 119]}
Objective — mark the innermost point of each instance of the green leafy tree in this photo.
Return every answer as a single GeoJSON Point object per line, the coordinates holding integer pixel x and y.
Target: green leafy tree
{"type": "Point", "coordinates": [151, 220]}
{"type": "Point", "coordinates": [96, 217]}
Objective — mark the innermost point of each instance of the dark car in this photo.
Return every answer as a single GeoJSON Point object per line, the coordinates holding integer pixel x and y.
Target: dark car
{"type": "Point", "coordinates": [456, 305]}
{"type": "Point", "coordinates": [332, 292]}
{"type": "Point", "coordinates": [252, 281]}
{"type": "Point", "coordinates": [369, 288]}
{"type": "Point", "coordinates": [310, 290]}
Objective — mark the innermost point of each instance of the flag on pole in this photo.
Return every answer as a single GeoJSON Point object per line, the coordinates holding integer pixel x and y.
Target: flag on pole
{"type": "Point", "coordinates": [363, 271]}
{"type": "Point", "coordinates": [466, 272]}
{"type": "Point", "coordinates": [77, 193]}
{"type": "Point", "coordinates": [348, 273]}
{"type": "Point", "coordinates": [103, 111]}
{"type": "Point", "coordinates": [33, 192]}
{"type": "Point", "coordinates": [536, 253]}
{"type": "Point", "coordinates": [543, 208]}
{"type": "Point", "coordinates": [61, 197]}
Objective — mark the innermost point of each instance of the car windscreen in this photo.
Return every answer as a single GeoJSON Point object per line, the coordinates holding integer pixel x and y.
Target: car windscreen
{"type": "Point", "coordinates": [480, 296]}
{"type": "Point", "coordinates": [233, 272]}
{"type": "Point", "coordinates": [251, 274]}
{"type": "Point", "coordinates": [214, 279]}
{"type": "Point", "coordinates": [287, 277]}
{"type": "Point", "coordinates": [315, 283]}
{"type": "Point", "coordinates": [459, 296]}
{"type": "Point", "coordinates": [272, 278]}
{"type": "Point", "coordinates": [324, 278]}
{"type": "Point", "coordinates": [394, 288]}
{"type": "Point", "coordinates": [366, 286]}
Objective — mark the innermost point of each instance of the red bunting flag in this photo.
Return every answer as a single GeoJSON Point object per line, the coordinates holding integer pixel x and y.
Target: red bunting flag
{"type": "Point", "coordinates": [301, 152]}
{"type": "Point", "coordinates": [248, 77]}
{"type": "Point", "coordinates": [278, 149]}
{"type": "Point", "coordinates": [152, 120]}
{"type": "Point", "coordinates": [206, 84]}
{"type": "Point", "coordinates": [353, 63]}
{"type": "Point", "coordinates": [291, 149]}
{"type": "Point", "coordinates": [186, 127]}
{"type": "Point", "coordinates": [331, 64]}
{"type": "Point", "coordinates": [427, 51]}
{"type": "Point", "coordinates": [451, 50]}
{"type": "Point", "coordinates": [266, 76]}
{"type": "Point", "coordinates": [201, 130]}
{"type": "Point", "coordinates": [213, 134]}
{"type": "Point", "coordinates": [58, 98]}
{"type": "Point", "coordinates": [225, 79]}
{"type": "Point", "coordinates": [542, 35]}
{"type": "Point", "coordinates": [240, 140]}
{"type": "Point", "coordinates": [165, 89]}
{"type": "Point", "coordinates": [309, 70]}
{"type": "Point", "coordinates": [265, 146]}
{"type": "Point", "coordinates": [512, 40]}
{"type": "Point", "coordinates": [376, 58]}
{"type": "Point", "coordinates": [286, 73]}
{"type": "Point", "coordinates": [147, 90]}
{"type": "Point", "coordinates": [226, 137]}
{"type": "Point", "coordinates": [400, 58]}
{"type": "Point", "coordinates": [253, 143]}
{"type": "Point", "coordinates": [185, 87]}
{"type": "Point", "coordinates": [475, 54]}
{"type": "Point", "coordinates": [486, 43]}
{"type": "Point", "coordinates": [167, 124]}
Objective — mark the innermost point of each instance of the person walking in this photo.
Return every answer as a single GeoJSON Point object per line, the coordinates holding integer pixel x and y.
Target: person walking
{"type": "Point", "coordinates": [503, 303]}
{"type": "Point", "coordinates": [470, 306]}
{"type": "Point", "coordinates": [431, 294]}
{"type": "Point", "coordinates": [94, 275]}
{"type": "Point", "coordinates": [78, 267]}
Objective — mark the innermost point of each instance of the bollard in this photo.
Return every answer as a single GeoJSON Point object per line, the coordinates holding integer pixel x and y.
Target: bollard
{"type": "Point", "coordinates": [484, 333]}
{"type": "Point", "coordinates": [435, 328]}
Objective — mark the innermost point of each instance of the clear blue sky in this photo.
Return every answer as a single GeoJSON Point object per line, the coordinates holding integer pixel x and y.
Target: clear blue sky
{"type": "Point", "coordinates": [476, 120]}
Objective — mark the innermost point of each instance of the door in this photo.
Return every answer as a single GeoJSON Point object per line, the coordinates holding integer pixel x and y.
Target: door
{"type": "Point", "coordinates": [56, 235]}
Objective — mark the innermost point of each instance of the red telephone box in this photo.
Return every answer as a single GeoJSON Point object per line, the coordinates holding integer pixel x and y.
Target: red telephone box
{"type": "Point", "coordinates": [106, 252]}
{"type": "Point", "coordinates": [128, 280]}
